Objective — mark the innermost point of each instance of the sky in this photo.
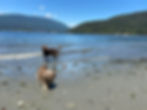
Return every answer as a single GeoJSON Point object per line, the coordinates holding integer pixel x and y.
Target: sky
{"type": "Point", "coordinates": [73, 12]}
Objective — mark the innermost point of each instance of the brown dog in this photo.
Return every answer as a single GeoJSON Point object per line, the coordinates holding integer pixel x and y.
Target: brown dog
{"type": "Point", "coordinates": [46, 77]}
{"type": "Point", "coordinates": [49, 52]}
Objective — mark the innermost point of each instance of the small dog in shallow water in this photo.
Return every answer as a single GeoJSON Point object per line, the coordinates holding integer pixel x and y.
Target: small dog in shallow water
{"type": "Point", "coordinates": [49, 52]}
{"type": "Point", "coordinates": [46, 77]}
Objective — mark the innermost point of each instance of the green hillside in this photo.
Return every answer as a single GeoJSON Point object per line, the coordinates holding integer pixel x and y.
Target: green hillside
{"type": "Point", "coordinates": [135, 23]}
{"type": "Point", "coordinates": [17, 22]}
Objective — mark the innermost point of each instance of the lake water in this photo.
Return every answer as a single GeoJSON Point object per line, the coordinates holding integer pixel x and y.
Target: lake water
{"type": "Point", "coordinates": [112, 46]}
{"type": "Point", "coordinates": [18, 46]}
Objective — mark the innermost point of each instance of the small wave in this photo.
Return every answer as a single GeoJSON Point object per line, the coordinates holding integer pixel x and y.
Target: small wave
{"type": "Point", "coordinates": [19, 56]}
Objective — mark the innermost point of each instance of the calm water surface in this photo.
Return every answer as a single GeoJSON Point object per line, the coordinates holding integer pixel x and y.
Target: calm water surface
{"type": "Point", "coordinates": [115, 46]}
{"type": "Point", "coordinates": [74, 47]}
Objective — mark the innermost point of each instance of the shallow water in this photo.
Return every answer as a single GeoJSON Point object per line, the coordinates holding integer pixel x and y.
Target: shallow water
{"type": "Point", "coordinates": [113, 46]}
{"type": "Point", "coordinates": [20, 51]}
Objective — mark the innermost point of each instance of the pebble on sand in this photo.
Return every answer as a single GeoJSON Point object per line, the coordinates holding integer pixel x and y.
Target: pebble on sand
{"type": "Point", "coordinates": [133, 95]}
{"type": "Point", "coordinates": [3, 108]}
{"type": "Point", "coordinates": [70, 105]}
{"type": "Point", "coordinates": [20, 103]}
{"type": "Point", "coordinates": [5, 82]}
{"type": "Point", "coordinates": [23, 84]}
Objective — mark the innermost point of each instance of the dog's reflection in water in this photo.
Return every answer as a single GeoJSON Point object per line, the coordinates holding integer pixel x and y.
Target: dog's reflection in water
{"type": "Point", "coordinates": [46, 76]}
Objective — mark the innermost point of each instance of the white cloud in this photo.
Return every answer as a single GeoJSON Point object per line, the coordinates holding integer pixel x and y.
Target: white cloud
{"type": "Point", "coordinates": [72, 25]}
{"type": "Point", "coordinates": [1, 13]}
{"type": "Point", "coordinates": [48, 15]}
{"type": "Point", "coordinates": [42, 7]}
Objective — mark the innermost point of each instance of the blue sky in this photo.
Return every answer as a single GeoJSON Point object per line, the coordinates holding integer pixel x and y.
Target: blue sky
{"type": "Point", "coordinates": [73, 12]}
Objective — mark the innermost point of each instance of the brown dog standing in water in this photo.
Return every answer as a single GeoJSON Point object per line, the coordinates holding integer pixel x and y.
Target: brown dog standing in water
{"type": "Point", "coordinates": [49, 52]}
{"type": "Point", "coordinates": [46, 77]}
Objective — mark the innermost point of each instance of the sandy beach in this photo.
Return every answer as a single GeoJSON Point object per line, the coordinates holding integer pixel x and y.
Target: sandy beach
{"type": "Point", "coordinates": [117, 85]}
{"type": "Point", "coordinates": [94, 72]}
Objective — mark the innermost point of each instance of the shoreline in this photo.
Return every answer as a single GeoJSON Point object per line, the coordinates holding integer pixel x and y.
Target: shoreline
{"type": "Point", "coordinates": [113, 89]}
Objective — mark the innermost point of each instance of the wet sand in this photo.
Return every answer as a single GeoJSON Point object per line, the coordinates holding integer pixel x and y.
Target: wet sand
{"type": "Point", "coordinates": [116, 85]}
